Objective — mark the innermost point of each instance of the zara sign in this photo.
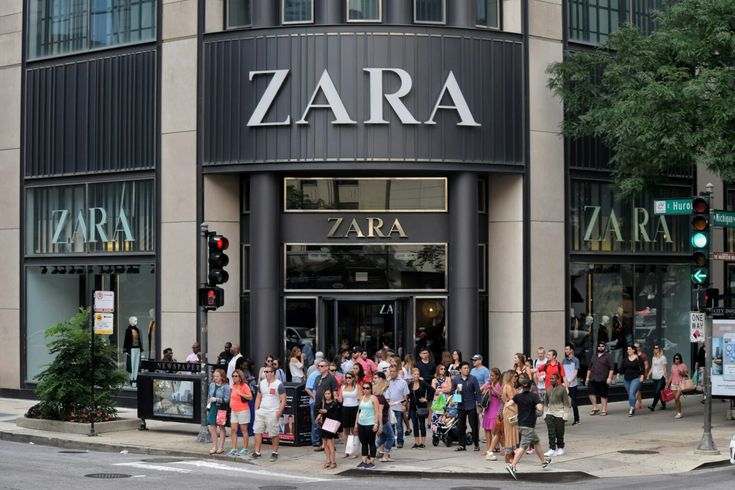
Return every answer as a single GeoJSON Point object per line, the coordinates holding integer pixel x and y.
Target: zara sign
{"type": "Point", "coordinates": [325, 86]}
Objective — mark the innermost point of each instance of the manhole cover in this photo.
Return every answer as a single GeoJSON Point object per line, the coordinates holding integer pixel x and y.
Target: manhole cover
{"type": "Point", "coordinates": [161, 460]}
{"type": "Point", "coordinates": [107, 476]}
{"type": "Point", "coordinates": [277, 487]}
{"type": "Point", "coordinates": [73, 452]}
{"type": "Point", "coordinates": [638, 451]}
{"type": "Point", "coordinates": [474, 488]}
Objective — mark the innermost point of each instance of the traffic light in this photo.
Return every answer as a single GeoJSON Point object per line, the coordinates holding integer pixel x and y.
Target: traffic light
{"type": "Point", "coordinates": [217, 244]}
{"type": "Point", "coordinates": [211, 297]}
{"type": "Point", "coordinates": [700, 241]}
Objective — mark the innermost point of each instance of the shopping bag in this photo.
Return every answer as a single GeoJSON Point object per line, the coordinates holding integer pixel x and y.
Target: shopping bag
{"type": "Point", "coordinates": [439, 403]}
{"type": "Point", "coordinates": [221, 417]}
{"type": "Point", "coordinates": [667, 395]}
{"type": "Point", "coordinates": [331, 425]}
{"type": "Point", "coordinates": [353, 445]}
{"type": "Point", "coordinates": [457, 398]}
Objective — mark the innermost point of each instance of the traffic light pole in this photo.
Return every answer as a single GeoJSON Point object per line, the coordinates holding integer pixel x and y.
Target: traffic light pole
{"type": "Point", "coordinates": [204, 435]}
{"type": "Point", "coordinates": [707, 444]}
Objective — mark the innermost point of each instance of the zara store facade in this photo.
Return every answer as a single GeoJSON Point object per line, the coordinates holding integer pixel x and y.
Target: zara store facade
{"type": "Point", "coordinates": [386, 172]}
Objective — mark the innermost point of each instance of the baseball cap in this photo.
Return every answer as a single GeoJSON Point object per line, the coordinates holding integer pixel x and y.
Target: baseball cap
{"type": "Point", "coordinates": [477, 357]}
{"type": "Point", "coordinates": [357, 348]}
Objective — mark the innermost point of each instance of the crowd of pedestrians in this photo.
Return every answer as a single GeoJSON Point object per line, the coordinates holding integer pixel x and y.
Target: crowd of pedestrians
{"type": "Point", "coordinates": [371, 404]}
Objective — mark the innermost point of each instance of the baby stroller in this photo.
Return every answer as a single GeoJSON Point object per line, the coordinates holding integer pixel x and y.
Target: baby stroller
{"type": "Point", "coordinates": [445, 427]}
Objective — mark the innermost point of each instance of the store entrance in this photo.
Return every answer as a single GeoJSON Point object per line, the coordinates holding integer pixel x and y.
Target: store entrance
{"type": "Point", "coordinates": [369, 323]}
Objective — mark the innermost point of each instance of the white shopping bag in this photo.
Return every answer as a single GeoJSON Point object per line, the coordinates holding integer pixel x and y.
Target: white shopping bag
{"type": "Point", "coordinates": [353, 445]}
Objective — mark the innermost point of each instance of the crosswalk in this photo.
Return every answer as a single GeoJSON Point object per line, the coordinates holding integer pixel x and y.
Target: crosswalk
{"type": "Point", "coordinates": [189, 466]}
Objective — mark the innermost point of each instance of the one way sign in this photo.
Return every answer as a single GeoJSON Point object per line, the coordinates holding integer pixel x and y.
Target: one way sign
{"type": "Point", "coordinates": [696, 326]}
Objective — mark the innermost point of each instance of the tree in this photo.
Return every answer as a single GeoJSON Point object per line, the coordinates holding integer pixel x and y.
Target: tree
{"type": "Point", "coordinates": [662, 103]}
{"type": "Point", "coordinates": [64, 385]}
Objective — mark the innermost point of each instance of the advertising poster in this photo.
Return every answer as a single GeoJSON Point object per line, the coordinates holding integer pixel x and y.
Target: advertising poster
{"type": "Point", "coordinates": [295, 424]}
{"type": "Point", "coordinates": [173, 398]}
{"type": "Point", "coordinates": [723, 358]}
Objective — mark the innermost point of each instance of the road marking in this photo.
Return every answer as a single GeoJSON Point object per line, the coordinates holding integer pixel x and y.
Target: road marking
{"type": "Point", "coordinates": [254, 471]}
{"type": "Point", "coordinates": [147, 466]}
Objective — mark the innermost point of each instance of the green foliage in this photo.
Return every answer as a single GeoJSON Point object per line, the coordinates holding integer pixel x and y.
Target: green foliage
{"type": "Point", "coordinates": [663, 102]}
{"type": "Point", "coordinates": [64, 385]}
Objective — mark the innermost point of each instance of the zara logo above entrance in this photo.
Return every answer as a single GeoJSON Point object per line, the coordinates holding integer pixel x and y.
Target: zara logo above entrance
{"type": "Point", "coordinates": [325, 86]}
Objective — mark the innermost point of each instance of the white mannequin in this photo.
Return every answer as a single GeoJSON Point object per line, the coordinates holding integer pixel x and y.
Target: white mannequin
{"type": "Point", "coordinates": [133, 347]}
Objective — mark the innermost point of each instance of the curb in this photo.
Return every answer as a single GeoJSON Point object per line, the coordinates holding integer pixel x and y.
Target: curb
{"type": "Point", "coordinates": [538, 477]}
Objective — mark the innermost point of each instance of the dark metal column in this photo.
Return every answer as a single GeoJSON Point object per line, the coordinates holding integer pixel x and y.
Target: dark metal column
{"type": "Point", "coordinates": [264, 266]}
{"type": "Point", "coordinates": [463, 266]}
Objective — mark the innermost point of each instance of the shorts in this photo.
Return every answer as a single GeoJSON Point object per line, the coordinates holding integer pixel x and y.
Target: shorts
{"type": "Point", "coordinates": [241, 418]}
{"type": "Point", "coordinates": [528, 437]}
{"type": "Point", "coordinates": [600, 388]}
{"type": "Point", "coordinates": [266, 421]}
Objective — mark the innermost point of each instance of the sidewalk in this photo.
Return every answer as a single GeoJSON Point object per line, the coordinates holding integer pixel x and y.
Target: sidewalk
{"type": "Point", "coordinates": [598, 447]}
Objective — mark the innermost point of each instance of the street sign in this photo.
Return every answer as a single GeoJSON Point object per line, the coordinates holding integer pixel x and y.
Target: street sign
{"type": "Point", "coordinates": [723, 218]}
{"type": "Point", "coordinates": [726, 256]}
{"type": "Point", "coordinates": [673, 206]}
{"type": "Point", "coordinates": [696, 326]}
{"type": "Point", "coordinates": [699, 276]}
{"type": "Point", "coordinates": [104, 301]}
{"type": "Point", "coordinates": [103, 323]}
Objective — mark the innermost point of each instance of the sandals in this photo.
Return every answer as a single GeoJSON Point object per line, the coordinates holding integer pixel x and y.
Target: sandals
{"type": "Point", "coordinates": [602, 414]}
{"type": "Point", "coordinates": [594, 412]}
{"type": "Point", "coordinates": [408, 432]}
{"type": "Point", "coordinates": [219, 451]}
{"type": "Point", "coordinates": [213, 450]}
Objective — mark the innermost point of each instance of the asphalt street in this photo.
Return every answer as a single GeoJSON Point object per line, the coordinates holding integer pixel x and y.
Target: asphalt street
{"type": "Point", "coordinates": [32, 466]}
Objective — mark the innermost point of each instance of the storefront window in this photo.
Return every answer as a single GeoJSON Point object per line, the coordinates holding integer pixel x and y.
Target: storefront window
{"type": "Point", "coordinates": [364, 10]}
{"type": "Point", "coordinates": [374, 194]}
{"type": "Point", "coordinates": [301, 328]}
{"type": "Point", "coordinates": [91, 218]}
{"type": "Point", "coordinates": [624, 303]}
{"type": "Point", "coordinates": [54, 293]}
{"type": "Point", "coordinates": [429, 11]}
{"type": "Point", "coordinates": [431, 326]}
{"type": "Point", "coordinates": [366, 267]}
{"type": "Point", "coordinates": [297, 11]}
{"type": "Point", "coordinates": [60, 27]}
{"type": "Point", "coordinates": [594, 20]}
{"type": "Point", "coordinates": [601, 223]}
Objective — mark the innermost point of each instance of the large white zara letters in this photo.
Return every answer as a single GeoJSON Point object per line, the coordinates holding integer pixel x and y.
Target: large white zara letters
{"type": "Point", "coordinates": [450, 89]}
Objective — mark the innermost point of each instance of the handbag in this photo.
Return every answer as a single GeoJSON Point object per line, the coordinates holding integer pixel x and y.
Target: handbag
{"type": "Point", "coordinates": [513, 419]}
{"type": "Point", "coordinates": [221, 417]}
{"type": "Point", "coordinates": [422, 411]}
{"type": "Point", "coordinates": [667, 395]}
{"type": "Point", "coordinates": [686, 385]}
{"type": "Point", "coordinates": [457, 398]}
{"type": "Point", "coordinates": [331, 425]}
{"type": "Point", "coordinates": [485, 400]}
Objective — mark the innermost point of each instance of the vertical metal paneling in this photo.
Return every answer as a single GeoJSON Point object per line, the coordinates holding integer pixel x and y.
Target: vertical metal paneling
{"type": "Point", "coordinates": [92, 115]}
{"type": "Point", "coordinates": [487, 65]}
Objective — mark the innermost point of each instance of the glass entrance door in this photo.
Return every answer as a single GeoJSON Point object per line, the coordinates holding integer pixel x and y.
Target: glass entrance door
{"type": "Point", "coordinates": [371, 324]}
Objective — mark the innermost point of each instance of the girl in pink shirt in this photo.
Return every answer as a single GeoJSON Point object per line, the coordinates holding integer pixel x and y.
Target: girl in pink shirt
{"type": "Point", "coordinates": [679, 371]}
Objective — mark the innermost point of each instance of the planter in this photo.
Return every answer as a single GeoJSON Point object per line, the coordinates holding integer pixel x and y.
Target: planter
{"type": "Point", "coordinates": [76, 427]}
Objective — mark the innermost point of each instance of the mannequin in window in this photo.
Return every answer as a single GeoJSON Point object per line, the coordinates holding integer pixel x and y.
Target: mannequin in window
{"type": "Point", "coordinates": [603, 334]}
{"type": "Point", "coordinates": [133, 346]}
{"type": "Point", "coordinates": [151, 333]}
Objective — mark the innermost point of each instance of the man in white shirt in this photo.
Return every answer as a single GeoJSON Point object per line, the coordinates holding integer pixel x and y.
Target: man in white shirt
{"type": "Point", "coordinates": [194, 356]}
{"type": "Point", "coordinates": [269, 406]}
{"type": "Point", "coordinates": [235, 350]}
{"type": "Point", "coordinates": [397, 395]}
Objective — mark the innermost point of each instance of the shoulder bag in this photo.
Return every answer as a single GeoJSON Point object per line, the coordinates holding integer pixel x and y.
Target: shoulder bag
{"type": "Point", "coordinates": [686, 385]}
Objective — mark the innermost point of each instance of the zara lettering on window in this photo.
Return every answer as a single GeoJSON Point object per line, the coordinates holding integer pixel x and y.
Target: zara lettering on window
{"type": "Point", "coordinates": [90, 227]}
{"type": "Point", "coordinates": [601, 227]}
{"type": "Point", "coordinates": [325, 87]}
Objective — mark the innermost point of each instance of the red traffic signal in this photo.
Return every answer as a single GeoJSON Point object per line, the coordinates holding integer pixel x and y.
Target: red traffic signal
{"type": "Point", "coordinates": [211, 297]}
{"type": "Point", "coordinates": [217, 259]}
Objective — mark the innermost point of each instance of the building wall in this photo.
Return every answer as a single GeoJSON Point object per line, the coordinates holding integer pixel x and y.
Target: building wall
{"type": "Point", "coordinates": [546, 174]}
{"type": "Point", "coordinates": [179, 227]}
{"type": "Point", "coordinates": [11, 42]}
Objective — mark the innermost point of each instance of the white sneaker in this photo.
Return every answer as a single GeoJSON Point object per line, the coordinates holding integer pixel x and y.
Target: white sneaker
{"type": "Point", "coordinates": [490, 456]}
{"type": "Point", "coordinates": [560, 452]}
{"type": "Point", "coordinates": [550, 452]}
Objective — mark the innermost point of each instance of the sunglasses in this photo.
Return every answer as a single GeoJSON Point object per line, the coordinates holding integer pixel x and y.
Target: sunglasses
{"type": "Point", "coordinates": [367, 387]}
{"type": "Point", "coordinates": [332, 370]}
{"type": "Point", "coordinates": [267, 371]}
{"type": "Point", "coordinates": [235, 375]}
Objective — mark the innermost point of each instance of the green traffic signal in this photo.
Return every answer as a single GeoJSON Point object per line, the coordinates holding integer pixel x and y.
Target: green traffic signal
{"type": "Point", "coordinates": [699, 240]}
{"type": "Point", "coordinates": [699, 276]}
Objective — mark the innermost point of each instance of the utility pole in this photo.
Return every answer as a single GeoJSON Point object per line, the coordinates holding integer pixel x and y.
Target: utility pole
{"type": "Point", "coordinates": [204, 435]}
{"type": "Point", "coordinates": [707, 444]}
